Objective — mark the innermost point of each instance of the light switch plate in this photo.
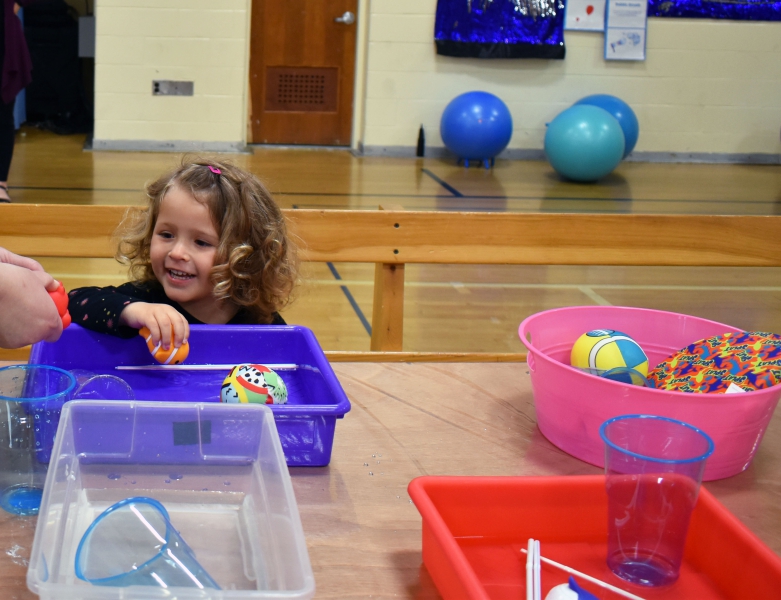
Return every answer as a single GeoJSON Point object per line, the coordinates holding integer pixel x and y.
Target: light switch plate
{"type": "Point", "coordinates": [166, 87]}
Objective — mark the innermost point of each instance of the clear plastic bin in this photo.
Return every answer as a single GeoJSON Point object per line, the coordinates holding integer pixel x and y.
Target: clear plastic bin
{"type": "Point", "coordinates": [219, 471]}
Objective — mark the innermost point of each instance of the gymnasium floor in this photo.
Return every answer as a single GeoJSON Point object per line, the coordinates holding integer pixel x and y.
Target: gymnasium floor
{"type": "Point", "coordinates": [447, 308]}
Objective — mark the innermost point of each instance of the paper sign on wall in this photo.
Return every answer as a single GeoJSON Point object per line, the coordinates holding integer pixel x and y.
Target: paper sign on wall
{"type": "Point", "coordinates": [625, 29]}
{"type": "Point", "coordinates": [585, 15]}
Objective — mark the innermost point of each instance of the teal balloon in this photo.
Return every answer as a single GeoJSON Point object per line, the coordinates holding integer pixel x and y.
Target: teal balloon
{"type": "Point", "coordinates": [584, 143]}
{"type": "Point", "coordinates": [622, 112]}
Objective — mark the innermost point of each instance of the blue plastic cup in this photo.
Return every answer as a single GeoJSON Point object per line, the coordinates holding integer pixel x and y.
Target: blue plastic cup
{"type": "Point", "coordinates": [133, 543]}
{"type": "Point", "coordinates": [31, 398]}
{"type": "Point", "coordinates": [653, 468]}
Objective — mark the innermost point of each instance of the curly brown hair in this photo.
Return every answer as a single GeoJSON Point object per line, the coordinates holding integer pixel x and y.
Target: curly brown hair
{"type": "Point", "coordinates": [255, 266]}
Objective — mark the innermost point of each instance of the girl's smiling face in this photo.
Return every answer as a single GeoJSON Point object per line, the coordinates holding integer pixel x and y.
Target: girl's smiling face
{"type": "Point", "coordinates": [182, 253]}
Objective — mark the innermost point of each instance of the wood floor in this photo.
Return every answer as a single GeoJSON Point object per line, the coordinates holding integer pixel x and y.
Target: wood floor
{"type": "Point", "coordinates": [448, 308]}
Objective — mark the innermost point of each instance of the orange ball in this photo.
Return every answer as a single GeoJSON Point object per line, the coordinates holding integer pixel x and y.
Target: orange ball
{"type": "Point", "coordinates": [172, 356]}
{"type": "Point", "coordinates": [61, 302]}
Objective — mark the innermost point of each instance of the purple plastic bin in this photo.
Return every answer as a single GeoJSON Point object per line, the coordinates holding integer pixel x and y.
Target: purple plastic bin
{"type": "Point", "coordinates": [315, 398]}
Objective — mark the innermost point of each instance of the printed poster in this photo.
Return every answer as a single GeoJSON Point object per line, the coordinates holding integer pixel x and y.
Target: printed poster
{"type": "Point", "coordinates": [625, 29]}
{"type": "Point", "coordinates": [585, 15]}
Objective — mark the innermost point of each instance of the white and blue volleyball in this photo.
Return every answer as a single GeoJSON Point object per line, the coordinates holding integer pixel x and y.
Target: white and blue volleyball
{"type": "Point", "coordinates": [612, 354]}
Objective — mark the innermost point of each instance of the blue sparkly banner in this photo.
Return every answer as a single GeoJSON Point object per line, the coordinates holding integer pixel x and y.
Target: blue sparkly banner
{"type": "Point", "coordinates": [500, 28]}
{"type": "Point", "coordinates": [741, 10]}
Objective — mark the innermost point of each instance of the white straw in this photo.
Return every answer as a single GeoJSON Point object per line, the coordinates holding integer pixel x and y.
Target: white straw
{"type": "Point", "coordinates": [599, 582]}
{"type": "Point", "coordinates": [530, 571]}
{"type": "Point", "coordinates": [276, 367]}
{"type": "Point", "coordinates": [537, 571]}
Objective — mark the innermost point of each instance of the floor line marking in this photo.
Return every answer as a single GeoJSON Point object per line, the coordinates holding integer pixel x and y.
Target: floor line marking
{"type": "Point", "coordinates": [593, 295]}
{"type": "Point", "coordinates": [366, 325]}
{"type": "Point", "coordinates": [444, 184]}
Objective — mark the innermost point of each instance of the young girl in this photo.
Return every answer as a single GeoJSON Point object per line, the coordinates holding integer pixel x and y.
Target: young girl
{"type": "Point", "coordinates": [211, 247]}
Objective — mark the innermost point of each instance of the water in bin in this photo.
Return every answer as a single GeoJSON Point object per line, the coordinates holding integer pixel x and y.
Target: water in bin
{"type": "Point", "coordinates": [93, 386]}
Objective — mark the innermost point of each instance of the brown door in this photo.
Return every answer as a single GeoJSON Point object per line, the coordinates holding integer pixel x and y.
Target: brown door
{"type": "Point", "coordinates": [302, 67]}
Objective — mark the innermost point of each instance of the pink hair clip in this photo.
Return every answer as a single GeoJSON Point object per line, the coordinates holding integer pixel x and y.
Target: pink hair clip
{"type": "Point", "coordinates": [215, 170]}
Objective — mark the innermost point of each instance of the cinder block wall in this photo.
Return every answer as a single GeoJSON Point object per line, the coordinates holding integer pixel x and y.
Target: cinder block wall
{"type": "Point", "coordinates": [138, 41]}
{"type": "Point", "coordinates": [707, 86]}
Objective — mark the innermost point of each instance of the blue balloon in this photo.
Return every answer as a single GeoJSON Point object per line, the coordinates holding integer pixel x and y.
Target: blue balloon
{"type": "Point", "coordinates": [584, 143]}
{"type": "Point", "coordinates": [622, 112]}
{"type": "Point", "coordinates": [476, 125]}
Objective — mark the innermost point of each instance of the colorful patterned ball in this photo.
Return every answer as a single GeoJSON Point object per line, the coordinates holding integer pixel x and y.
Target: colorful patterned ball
{"type": "Point", "coordinates": [602, 350]}
{"type": "Point", "coordinates": [172, 356]}
{"type": "Point", "coordinates": [254, 384]}
{"type": "Point", "coordinates": [748, 360]}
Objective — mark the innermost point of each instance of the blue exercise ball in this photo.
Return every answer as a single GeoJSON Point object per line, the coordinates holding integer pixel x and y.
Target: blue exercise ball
{"type": "Point", "coordinates": [622, 112]}
{"type": "Point", "coordinates": [476, 125]}
{"type": "Point", "coordinates": [584, 143]}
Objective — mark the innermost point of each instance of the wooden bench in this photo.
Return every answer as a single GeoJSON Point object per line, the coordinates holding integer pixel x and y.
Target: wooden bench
{"type": "Point", "coordinates": [391, 239]}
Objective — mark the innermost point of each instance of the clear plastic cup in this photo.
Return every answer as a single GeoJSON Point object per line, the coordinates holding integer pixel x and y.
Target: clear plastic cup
{"type": "Point", "coordinates": [653, 468]}
{"type": "Point", "coordinates": [31, 397]}
{"type": "Point", "coordinates": [133, 543]}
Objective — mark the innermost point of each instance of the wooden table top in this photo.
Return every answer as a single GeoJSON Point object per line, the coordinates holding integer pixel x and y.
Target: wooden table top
{"type": "Point", "coordinates": [407, 420]}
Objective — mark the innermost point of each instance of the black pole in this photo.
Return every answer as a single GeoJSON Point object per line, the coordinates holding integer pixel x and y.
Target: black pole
{"type": "Point", "coordinates": [421, 151]}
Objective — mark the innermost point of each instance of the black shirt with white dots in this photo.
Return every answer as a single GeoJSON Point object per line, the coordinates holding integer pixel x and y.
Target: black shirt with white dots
{"type": "Point", "coordinates": [98, 308]}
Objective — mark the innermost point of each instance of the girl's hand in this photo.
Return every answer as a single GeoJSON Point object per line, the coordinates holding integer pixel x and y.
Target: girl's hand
{"type": "Point", "coordinates": [160, 319]}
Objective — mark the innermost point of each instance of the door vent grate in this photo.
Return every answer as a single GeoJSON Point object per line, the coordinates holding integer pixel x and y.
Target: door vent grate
{"type": "Point", "coordinates": [301, 89]}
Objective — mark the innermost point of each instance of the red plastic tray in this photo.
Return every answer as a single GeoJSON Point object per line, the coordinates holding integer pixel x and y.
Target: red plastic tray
{"type": "Point", "coordinates": [475, 527]}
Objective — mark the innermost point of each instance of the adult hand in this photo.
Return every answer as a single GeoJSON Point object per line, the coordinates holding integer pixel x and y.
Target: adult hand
{"type": "Point", "coordinates": [8, 257]}
{"type": "Point", "coordinates": [27, 312]}
{"type": "Point", "coordinates": [165, 323]}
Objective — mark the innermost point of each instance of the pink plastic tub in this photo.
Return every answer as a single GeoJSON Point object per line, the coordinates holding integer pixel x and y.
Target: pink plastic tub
{"type": "Point", "coordinates": [571, 404]}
